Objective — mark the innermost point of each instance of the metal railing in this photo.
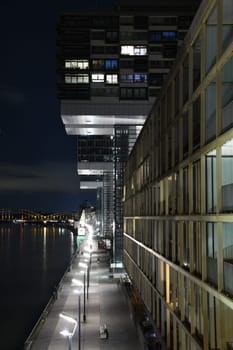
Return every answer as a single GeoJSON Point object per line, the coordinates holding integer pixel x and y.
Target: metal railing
{"type": "Point", "coordinates": [37, 327]}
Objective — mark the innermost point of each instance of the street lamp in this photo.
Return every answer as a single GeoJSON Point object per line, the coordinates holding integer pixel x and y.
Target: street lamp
{"type": "Point", "coordinates": [67, 333]}
{"type": "Point", "coordinates": [88, 256]}
{"type": "Point", "coordinates": [86, 266]}
{"type": "Point", "coordinates": [78, 284]}
{"type": "Point", "coordinates": [84, 290]}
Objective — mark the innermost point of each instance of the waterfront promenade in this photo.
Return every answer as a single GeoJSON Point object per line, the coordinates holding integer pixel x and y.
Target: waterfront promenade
{"type": "Point", "coordinates": [107, 303]}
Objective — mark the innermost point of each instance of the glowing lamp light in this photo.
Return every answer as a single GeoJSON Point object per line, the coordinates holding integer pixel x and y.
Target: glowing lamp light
{"type": "Point", "coordinates": [68, 318]}
{"type": "Point", "coordinates": [83, 264]}
{"type": "Point", "coordinates": [65, 333]}
{"type": "Point", "coordinates": [77, 282]}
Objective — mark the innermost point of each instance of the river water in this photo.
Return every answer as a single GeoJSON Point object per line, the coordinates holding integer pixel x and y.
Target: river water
{"type": "Point", "coordinates": [33, 259]}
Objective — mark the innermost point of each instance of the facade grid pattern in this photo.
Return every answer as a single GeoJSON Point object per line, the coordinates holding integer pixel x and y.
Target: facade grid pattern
{"type": "Point", "coordinates": [178, 195]}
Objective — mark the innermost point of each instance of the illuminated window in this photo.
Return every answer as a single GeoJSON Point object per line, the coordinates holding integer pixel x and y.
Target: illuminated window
{"type": "Point", "coordinates": [140, 78]}
{"type": "Point", "coordinates": [111, 64]}
{"type": "Point", "coordinates": [133, 78]}
{"type": "Point", "coordinates": [137, 50]}
{"type": "Point", "coordinates": [111, 78]}
{"type": "Point", "coordinates": [77, 64]}
{"type": "Point", "coordinates": [127, 50]}
{"type": "Point", "coordinates": [77, 79]}
{"type": "Point", "coordinates": [97, 64]}
{"type": "Point", "coordinates": [97, 78]}
{"type": "Point", "coordinates": [169, 35]}
{"type": "Point", "coordinates": [140, 50]}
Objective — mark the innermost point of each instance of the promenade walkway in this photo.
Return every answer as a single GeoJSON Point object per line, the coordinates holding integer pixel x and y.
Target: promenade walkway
{"type": "Point", "coordinates": [107, 304]}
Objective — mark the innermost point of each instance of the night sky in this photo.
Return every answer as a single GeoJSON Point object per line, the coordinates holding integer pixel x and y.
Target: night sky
{"type": "Point", "coordinates": [38, 160]}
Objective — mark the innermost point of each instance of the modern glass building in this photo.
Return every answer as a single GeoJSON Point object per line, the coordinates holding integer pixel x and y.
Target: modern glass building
{"type": "Point", "coordinates": [111, 69]}
{"type": "Point", "coordinates": [178, 194]}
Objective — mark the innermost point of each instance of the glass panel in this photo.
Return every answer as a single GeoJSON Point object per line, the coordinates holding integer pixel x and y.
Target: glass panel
{"type": "Point", "coordinates": [211, 184]}
{"type": "Point", "coordinates": [227, 176]}
{"type": "Point", "coordinates": [177, 93]}
{"type": "Point", "coordinates": [196, 187]}
{"type": "Point", "coordinates": [111, 64]}
{"type": "Point", "coordinates": [185, 134]}
{"type": "Point", "coordinates": [197, 248]}
{"type": "Point", "coordinates": [98, 78]}
{"type": "Point", "coordinates": [140, 50]}
{"type": "Point", "coordinates": [185, 191]}
{"type": "Point", "coordinates": [186, 253]}
{"type": "Point", "coordinates": [196, 63]}
{"type": "Point", "coordinates": [97, 64]}
{"type": "Point", "coordinates": [196, 123]}
{"type": "Point", "coordinates": [227, 229]}
{"type": "Point", "coordinates": [210, 110]}
{"type": "Point", "coordinates": [211, 39]}
{"type": "Point", "coordinates": [227, 95]}
{"type": "Point", "coordinates": [212, 250]}
{"type": "Point", "coordinates": [185, 79]}
{"type": "Point", "coordinates": [111, 78]}
{"type": "Point", "coordinates": [227, 25]}
{"type": "Point", "coordinates": [198, 314]}
{"type": "Point", "coordinates": [177, 142]}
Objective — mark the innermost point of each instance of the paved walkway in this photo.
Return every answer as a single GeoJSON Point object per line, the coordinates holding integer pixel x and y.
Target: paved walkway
{"type": "Point", "coordinates": [107, 304]}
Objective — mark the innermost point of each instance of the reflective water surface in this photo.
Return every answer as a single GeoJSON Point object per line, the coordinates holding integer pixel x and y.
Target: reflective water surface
{"type": "Point", "coordinates": [32, 261]}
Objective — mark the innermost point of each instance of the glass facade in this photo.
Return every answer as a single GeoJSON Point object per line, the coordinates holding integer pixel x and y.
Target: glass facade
{"type": "Point", "coordinates": [178, 202]}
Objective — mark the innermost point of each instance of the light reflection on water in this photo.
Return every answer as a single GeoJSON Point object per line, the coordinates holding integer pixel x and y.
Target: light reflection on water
{"type": "Point", "coordinates": [32, 261]}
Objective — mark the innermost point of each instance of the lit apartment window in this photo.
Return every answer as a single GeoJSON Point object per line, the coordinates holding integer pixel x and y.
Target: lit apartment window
{"type": "Point", "coordinates": [140, 50]}
{"type": "Point", "coordinates": [111, 64]}
{"type": "Point", "coordinates": [77, 64]}
{"type": "Point", "coordinates": [77, 79]}
{"type": "Point", "coordinates": [169, 35]}
{"type": "Point", "coordinates": [97, 64]}
{"type": "Point", "coordinates": [97, 78]}
{"type": "Point", "coordinates": [136, 50]}
{"type": "Point", "coordinates": [133, 78]}
{"type": "Point", "coordinates": [111, 78]}
{"type": "Point", "coordinates": [127, 50]}
{"type": "Point", "coordinates": [70, 79]}
{"type": "Point", "coordinates": [83, 78]}
{"type": "Point", "coordinates": [140, 78]}
{"type": "Point", "coordinates": [157, 36]}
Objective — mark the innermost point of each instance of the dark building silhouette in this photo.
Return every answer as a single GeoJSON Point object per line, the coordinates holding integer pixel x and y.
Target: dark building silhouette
{"type": "Point", "coordinates": [111, 68]}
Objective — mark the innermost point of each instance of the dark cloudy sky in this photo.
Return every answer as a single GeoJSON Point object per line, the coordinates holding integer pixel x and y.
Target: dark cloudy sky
{"type": "Point", "coordinates": [37, 158]}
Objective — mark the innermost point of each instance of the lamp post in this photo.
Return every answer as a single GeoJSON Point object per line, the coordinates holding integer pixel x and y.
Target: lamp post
{"type": "Point", "coordinates": [67, 333]}
{"type": "Point", "coordinates": [78, 284]}
{"type": "Point", "coordinates": [86, 266]}
{"type": "Point", "coordinates": [84, 291]}
{"type": "Point", "coordinates": [88, 256]}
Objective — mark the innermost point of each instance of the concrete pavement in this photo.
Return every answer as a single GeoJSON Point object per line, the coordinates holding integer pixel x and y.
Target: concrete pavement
{"type": "Point", "coordinates": [107, 304]}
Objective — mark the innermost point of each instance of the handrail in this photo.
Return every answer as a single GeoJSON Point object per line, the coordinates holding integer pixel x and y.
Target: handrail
{"type": "Point", "coordinates": [228, 252]}
{"type": "Point", "coordinates": [35, 330]}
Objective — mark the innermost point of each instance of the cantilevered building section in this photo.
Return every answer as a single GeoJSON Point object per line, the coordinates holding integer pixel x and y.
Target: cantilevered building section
{"type": "Point", "coordinates": [178, 204]}
{"type": "Point", "coordinates": [111, 68]}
